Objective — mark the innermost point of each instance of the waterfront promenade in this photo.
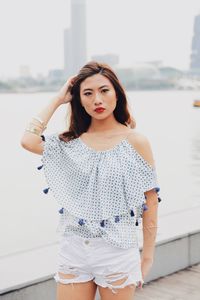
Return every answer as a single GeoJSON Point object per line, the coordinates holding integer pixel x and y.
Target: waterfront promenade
{"type": "Point", "coordinates": [181, 285]}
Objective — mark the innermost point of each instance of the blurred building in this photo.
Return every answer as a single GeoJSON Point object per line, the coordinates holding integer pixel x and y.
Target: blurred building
{"type": "Point", "coordinates": [140, 70]}
{"type": "Point", "coordinates": [55, 75]}
{"type": "Point", "coordinates": [110, 59]}
{"type": "Point", "coordinates": [68, 57]}
{"type": "Point", "coordinates": [195, 53]}
{"type": "Point", "coordinates": [75, 52]}
{"type": "Point", "coordinates": [24, 71]}
{"type": "Point", "coordinates": [149, 75]}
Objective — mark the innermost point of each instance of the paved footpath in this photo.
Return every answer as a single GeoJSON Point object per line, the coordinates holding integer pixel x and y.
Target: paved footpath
{"type": "Point", "coordinates": [182, 285]}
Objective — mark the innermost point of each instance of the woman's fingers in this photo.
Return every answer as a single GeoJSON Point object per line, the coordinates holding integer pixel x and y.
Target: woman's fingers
{"type": "Point", "coordinates": [72, 79]}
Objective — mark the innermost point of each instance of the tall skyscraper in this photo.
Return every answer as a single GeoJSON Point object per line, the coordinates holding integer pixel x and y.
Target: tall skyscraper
{"type": "Point", "coordinates": [68, 57]}
{"type": "Point", "coordinates": [75, 52]}
{"type": "Point", "coordinates": [195, 55]}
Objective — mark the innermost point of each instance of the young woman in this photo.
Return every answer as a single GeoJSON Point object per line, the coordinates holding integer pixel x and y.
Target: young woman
{"type": "Point", "coordinates": [102, 173]}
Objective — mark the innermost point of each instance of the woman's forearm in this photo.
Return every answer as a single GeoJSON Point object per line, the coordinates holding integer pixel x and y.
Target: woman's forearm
{"type": "Point", "coordinates": [32, 136]}
{"type": "Point", "coordinates": [149, 238]}
{"type": "Point", "coordinates": [45, 115]}
{"type": "Point", "coordinates": [150, 226]}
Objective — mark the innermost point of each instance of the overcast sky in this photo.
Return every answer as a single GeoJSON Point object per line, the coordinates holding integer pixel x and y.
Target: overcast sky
{"type": "Point", "coordinates": [31, 32]}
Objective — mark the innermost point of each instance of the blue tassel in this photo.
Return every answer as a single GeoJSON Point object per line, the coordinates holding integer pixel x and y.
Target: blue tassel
{"type": "Point", "coordinates": [159, 199]}
{"type": "Point", "coordinates": [81, 222]}
{"type": "Point", "coordinates": [132, 213]}
{"type": "Point", "coordinates": [117, 219]}
{"type": "Point", "coordinates": [145, 207]}
{"type": "Point", "coordinates": [43, 137]}
{"type": "Point", "coordinates": [40, 167]}
{"type": "Point", "coordinates": [157, 189]}
{"type": "Point", "coordinates": [61, 210]}
{"type": "Point", "coordinates": [136, 223]}
{"type": "Point", "coordinates": [102, 223]}
{"type": "Point", "coordinates": [46, 190]}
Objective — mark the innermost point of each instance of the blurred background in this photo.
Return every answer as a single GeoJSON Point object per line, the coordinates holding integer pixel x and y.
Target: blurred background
{"type": "Point", "coordinates": [154, 47]}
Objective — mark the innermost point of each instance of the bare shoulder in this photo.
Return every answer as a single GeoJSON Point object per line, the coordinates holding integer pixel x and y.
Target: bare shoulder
{"type": "Point", "coordinates": [137, 139]}
{"type": "Point", "coordinates": [142, 145]}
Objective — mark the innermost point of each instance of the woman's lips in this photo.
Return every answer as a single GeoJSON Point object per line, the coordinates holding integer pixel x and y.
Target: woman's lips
{"type": "Point", "coordinates": [99, 109]}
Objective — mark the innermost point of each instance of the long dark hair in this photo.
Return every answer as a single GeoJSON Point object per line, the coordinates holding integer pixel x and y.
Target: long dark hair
{"type": "Point", "coordinates": [79, 119]}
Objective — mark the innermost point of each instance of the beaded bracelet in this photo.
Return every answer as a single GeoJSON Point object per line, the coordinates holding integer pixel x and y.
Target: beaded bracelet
{"type": "Point", "coordinates": [33, 128]}
{"type": "Point", "coordinates": [38, 125]}
{"type": "Point", "coordinates": [38, 119]}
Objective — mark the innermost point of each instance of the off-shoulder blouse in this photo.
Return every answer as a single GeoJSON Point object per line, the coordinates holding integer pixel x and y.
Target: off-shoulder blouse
{"type": "Point", "coordinates": [100, 193]}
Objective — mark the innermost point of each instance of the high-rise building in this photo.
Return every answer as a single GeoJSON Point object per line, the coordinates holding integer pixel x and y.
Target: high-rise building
{"type": "Point", "coordinates": [68, 57]}
{"type": "Point", "coordinates": [195, 55]}
{"type": "Point", "coordinates": [75, 55]}
{"type": "Point", "coordinates": [109, 58]}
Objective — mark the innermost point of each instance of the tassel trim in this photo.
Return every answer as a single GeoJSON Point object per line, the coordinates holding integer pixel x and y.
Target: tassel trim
{"type": "Point", "coordinates": [61, 210]}
{"type": "Point", "coordinates": [136, 213]}
{"type": "Point", "coordinates": [81, 222]}
{"type": "Point", "coordinates": [43, 137]}
{"type": "Point", "coordinates": [40, 167]}
{"type": "Point", "coordinates": [46, 190]}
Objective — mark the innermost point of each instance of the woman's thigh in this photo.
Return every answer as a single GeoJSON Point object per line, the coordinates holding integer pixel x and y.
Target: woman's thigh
{"type": "Point", "coordinates": [119, 274]}
{"type": "Point", "coordinates": [76, 291]}
{"type": "Point", "coordinates": [125, 293]}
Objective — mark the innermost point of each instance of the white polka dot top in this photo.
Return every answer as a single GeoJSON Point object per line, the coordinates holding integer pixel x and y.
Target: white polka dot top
{"type": "Point", "coordinates": [100, 193]}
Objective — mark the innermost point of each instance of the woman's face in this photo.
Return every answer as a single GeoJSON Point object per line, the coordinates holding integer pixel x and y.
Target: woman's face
{"type": "Point", "coordinates": [97, 91]}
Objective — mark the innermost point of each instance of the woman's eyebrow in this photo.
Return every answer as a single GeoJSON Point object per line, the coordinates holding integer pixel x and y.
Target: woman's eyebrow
{"type": "Point", "coordinates": [99, 88]}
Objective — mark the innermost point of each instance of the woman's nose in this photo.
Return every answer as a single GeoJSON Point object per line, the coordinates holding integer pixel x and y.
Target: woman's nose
{"type": "Point", "coordinates": [97, 98]}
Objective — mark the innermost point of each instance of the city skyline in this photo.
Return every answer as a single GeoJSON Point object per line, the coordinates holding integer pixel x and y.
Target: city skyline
{"type": "Point", "coordinates": [135, 30]}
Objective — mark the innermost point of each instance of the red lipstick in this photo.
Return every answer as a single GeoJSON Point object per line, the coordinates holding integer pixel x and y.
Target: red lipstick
{"type": "Point", "coordinates": [99, 109]}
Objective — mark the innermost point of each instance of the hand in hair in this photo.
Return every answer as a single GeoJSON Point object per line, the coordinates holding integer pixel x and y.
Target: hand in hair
{"type": "Point", "coordinates": [64, 94]}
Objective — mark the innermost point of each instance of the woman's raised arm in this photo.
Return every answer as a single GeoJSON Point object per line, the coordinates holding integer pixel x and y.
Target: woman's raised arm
{"type": "Point", "coordinates": [32, 140]}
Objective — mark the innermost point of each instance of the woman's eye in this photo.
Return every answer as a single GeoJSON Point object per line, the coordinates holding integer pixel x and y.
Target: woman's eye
{"type": "Point", "coordinates": [105, 90]}
{"type": "Point", "coordinates": [87, 94]}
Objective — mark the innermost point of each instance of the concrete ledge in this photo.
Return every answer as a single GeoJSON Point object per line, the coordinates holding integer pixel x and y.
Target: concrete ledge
{"type": "Point", "coordinates": [194, 248]}
{"type": "Point", "coordinates": [27, 268]}
{"type": "Point", "coordinates": [25, 275]}
{"type": "Point", "coordinates": [175, 255]}
{"type": "Point", "coordinates": [45, 290]}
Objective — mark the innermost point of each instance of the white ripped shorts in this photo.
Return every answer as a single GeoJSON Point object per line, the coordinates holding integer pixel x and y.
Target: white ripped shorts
{"type": "Point", "coordinates": [95, 259]}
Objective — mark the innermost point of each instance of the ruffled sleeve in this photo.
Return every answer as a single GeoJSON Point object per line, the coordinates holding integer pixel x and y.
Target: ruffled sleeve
{"type": "Point", "coordinates": [51, 147]}
{"type": "Point", "coordinates": [51, 158]}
